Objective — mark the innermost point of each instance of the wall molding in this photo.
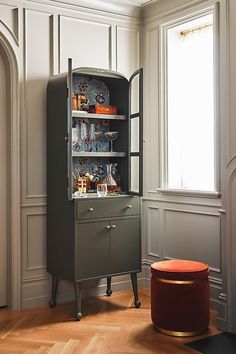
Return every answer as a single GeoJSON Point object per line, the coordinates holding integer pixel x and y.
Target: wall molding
{"type": "Point", "coordinates": [119, 11]}
{"type": "Point", "coordinates": [15, 264]}
{"type": "Point", "coordinates": [14, 32]}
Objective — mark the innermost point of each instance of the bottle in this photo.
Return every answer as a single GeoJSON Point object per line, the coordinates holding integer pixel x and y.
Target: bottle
{"type": "Point", "coordinates": [92, 182]}
{"type": "Point", "coordinates": [109, 180]}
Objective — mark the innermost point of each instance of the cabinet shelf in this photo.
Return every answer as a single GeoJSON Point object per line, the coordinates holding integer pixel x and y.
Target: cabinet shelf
{"type": "Point", "coordinates": [98, 154]}
{"type": "Point", "coordinates": [78, 114]}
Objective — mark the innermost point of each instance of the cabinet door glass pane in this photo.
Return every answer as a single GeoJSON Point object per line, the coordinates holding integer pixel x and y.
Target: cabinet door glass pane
{"type": "Point", "coordinates": [135, 95]}
{"type": "Point", "coordinates": [135, 134]}
{"type": "Point", "coordinates": [135, 149]}
{"type": "Point", "coordinates": [134, 165]}
{"type": "Point", "coordinates": [69, 131]}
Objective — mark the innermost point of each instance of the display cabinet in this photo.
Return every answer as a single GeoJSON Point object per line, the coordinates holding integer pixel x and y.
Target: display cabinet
{"type": "Point", "coordinates": [94, 136]}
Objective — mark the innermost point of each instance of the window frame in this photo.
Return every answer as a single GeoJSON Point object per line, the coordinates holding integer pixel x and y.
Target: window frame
{"type": "Point", "coordinates": [177, 19]}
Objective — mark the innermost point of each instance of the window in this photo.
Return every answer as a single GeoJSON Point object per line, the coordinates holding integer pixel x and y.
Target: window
{"type": "Point", "coordinates": [189, 105]}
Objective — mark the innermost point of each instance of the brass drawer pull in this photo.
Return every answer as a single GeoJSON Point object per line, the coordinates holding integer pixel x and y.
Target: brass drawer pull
{"type": "Point", "coordinates": [129, 206]}
{"type": "Point", "coordinates": [108, 227]}
{"type": "Point", "coordinates": [90, 209]}
{"type": "Point", "coordinates": [113, 226]}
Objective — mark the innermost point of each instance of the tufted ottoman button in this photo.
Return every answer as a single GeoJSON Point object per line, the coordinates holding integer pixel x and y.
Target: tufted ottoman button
{"type": "Point", "coordinates": [180, 302]}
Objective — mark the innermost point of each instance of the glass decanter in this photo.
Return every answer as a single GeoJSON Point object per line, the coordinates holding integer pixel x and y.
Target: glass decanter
{"type": "Point", "coordinates": [109, 180]}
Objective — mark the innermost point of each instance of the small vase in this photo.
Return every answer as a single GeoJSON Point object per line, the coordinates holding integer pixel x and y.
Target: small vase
{"type": "Point", "coordinates": [109, 180]}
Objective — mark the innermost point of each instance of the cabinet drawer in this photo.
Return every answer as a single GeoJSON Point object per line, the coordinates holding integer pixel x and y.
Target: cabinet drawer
{"type": "Point", "coordinates": [106, 208]}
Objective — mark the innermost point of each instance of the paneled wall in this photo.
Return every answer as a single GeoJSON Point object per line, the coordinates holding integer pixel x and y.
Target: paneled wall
{"type": "Point", "coordinates": [47, 34]}
{"type": "Point", "coordinates": [43, 34]}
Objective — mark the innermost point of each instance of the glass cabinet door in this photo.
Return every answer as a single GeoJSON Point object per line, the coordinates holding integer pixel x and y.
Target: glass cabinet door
{"type": "Point", "coordinates": [135, 148]}
{"type": "Point", "coordinates": [69, 131]}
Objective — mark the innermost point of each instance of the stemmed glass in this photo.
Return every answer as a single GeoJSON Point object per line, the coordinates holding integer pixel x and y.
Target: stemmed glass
{"type": "Point", "coordinates": [111, 136]}
{"type": "Point", "coordinates": [98, 136]}
{"type": "Point", "coordinates": [75, 137]}
{"type": "Point", "coordinates": [83, 135]}
{"type": "Point", "coordinates": [92, 136]}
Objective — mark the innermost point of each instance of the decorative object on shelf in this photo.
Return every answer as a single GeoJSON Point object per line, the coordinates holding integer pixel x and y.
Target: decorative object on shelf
{"type": "Point", "coordinates": [82, 103]}
{"type": "Point", "coordinates": [111, 136]}
{"type": "Point", "coordinates": [100, 99]}
{"type": "Point", "coordinates": [91, 88]}
{"type": "Point", "coordinates": [101, 190]}
{"type": "Point", "coordinates": [74, 102]}
{"type": "Point", "coordinates": [82, 185]}
{"type": "Point", "coordinates": [92, 182]}
{"type": "Point", "coordinates": [102, 109]}
{"type": "Point", "coordinates": [109, 180]}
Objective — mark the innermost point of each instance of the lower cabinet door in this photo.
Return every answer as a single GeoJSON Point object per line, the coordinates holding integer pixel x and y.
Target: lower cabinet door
{"type": "Point", "coordinates": [125, 245]}
{"type": "Point", "coordinates": [92, 250]}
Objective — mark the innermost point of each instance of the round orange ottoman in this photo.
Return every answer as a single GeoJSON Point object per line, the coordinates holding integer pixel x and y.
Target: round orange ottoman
{"type": "Point", "coordinates": [180, 302]}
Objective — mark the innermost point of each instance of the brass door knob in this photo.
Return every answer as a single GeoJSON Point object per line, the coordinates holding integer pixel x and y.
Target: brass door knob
{"type": "Point", "coordinates": [90, 209]}
{"type": "Point", "coordinates": [108, 227]}
{"type": "Point", "coordinates": [129, 206]}
{"type": "Point", "coordinates": [113, 226]}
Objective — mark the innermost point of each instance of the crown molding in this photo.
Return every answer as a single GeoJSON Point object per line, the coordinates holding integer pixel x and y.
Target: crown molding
{"type": "Point", "coordinates": [102, 7]}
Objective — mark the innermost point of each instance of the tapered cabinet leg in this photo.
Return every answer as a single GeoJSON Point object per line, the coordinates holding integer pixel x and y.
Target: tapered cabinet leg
{"type": "Point", "coordinates": [109, 291]}
{"type": "Point", "coordinates": [78, 314]}
{"type": "Point", "coordinates": [135, 289]}
{"type": "Point", "coordinates": [52, 302]}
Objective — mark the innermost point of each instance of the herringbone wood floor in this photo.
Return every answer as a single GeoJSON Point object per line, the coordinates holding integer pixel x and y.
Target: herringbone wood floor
{"type": "Point", "coordinates": [109, 325]}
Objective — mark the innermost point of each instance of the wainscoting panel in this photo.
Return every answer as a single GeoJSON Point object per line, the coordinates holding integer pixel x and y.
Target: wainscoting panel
{"type": "Point", "coordinates": [9, 17]}
{"type": "Point", "coordinates": [34, 242]}
{"type": "Point", "coordinates": [127, 50]}
{"type": "Point", "coordinates": [153, 235]}
{"type": "Point", "coordinates": [88, 43]}
{"type": "Point", "coordinates": [38, 64]}
{"type": "Point", "coordinates": [192, 234]}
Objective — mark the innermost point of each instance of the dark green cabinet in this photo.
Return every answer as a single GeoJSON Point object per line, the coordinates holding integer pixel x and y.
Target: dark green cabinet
{"type": "Point", "coordinates": [92, 248]}
{"type": "Point", "coordinates": [113, 247]}
{"type": "Point", "coordinates": [93, 237]}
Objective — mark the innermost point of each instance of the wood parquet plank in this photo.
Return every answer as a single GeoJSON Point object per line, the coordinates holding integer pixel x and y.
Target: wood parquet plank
{"type": "Point", "coordinates": [110, 325]}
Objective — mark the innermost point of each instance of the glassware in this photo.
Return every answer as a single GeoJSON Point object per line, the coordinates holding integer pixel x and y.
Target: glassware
{"type": "Point", "coordinates": [83, 135]}
{"type": "Point", "coordinates": [98, 136]}
{"type": "Point", "coordinates": [101, 189]}
{"type": "Point", "coordinates": [92, 137]}
{"type": "Point", "coordinates": [75, 137]}
{"type": "Point", "coordinates": [111, 136]}
{"type": "Point", "coordinates": [109, 180]}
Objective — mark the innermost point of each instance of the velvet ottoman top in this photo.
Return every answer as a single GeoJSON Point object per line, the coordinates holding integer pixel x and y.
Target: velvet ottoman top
{"type": "Point", "coordinates": [178, 269]}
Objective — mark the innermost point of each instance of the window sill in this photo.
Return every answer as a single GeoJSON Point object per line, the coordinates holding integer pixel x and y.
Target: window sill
{"type": "Point", "coordinates": [189, 193]}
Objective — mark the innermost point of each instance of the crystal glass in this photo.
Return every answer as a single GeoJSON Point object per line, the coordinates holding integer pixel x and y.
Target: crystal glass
{"type": "Point", "coordinates": [98, 136]}
{"type": "Point", "coordinates": [75, 137]}
{"type": "Point", "coordinates": [109, 180]}
{"type": "Point", "coordinates": [83, 135]}
{"type": "Point", "coordinates": [111, 136]}
{"type": "Point", "coordinates": [92, 137]}
{"type": "Point", "coordinates": [101, 189]}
